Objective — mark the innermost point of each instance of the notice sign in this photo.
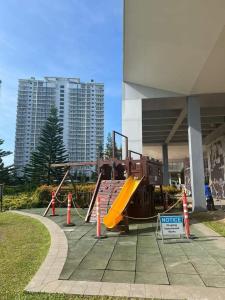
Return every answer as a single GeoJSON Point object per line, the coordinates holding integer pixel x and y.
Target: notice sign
{"type": "Point", "coordinates": [171, 225]}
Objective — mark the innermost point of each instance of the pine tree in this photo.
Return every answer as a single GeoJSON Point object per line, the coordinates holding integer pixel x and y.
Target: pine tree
{"type": "Point", "coordinates": [109, 147]}
{"type": "Point", "coordinates": [119, 152]}
{"type": "Point", "coordinates": [100, 153]}
{"type": "Point", "coordinates": [50, 150]}
{"type": "Point", "coordinates": [4, 171]}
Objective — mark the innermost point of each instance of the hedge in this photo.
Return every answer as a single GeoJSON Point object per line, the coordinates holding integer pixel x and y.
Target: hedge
{"type": "Point", "coordinates": [42, 195]}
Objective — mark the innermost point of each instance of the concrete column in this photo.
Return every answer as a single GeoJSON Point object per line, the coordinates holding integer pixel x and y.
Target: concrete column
{"type": "Point", "coordinates": [132, 121]}
{"type": "Point", "coordinates": [165, 164]}
{"type": "Point", "coordinates": [196, 154]}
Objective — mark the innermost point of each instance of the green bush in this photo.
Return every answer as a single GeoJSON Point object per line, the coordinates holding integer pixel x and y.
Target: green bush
{"type": "Point", "coordinates": [42, 194]}
{"type": "Point", "coordinates": [170, 189]}
{"type": "Point", "coordinates": [41, 197]}
{"type": "Point", "coordinates": [14, 190]}
{"type": "Point", "coordinates": [20, 201]}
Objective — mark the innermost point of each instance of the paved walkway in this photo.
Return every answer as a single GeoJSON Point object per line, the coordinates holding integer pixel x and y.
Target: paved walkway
{"type": "Point", "coordinates": [143, 266]}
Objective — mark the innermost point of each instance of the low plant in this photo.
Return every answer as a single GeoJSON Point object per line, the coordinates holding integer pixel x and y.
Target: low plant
{"type": "Point", "coordinates": [41, 197]}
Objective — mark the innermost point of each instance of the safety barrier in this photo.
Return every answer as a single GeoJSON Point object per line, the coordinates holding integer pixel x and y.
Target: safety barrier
{"type": "Point", "coordinates": [53, 205]}
{"type": "Point", "coordinates": [186, 216]}
{"type": "Point", "coordinates": [98, 219]}
{"type": "Point", "coordinates": [68, 216]}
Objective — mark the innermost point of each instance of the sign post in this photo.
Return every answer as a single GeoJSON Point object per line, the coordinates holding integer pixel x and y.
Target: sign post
{"type": "Point", "coordinates": [170, 225]}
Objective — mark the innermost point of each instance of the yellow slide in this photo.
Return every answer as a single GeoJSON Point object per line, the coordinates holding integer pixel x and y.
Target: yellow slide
{"type": "Point", "coordinates": [114, 215]}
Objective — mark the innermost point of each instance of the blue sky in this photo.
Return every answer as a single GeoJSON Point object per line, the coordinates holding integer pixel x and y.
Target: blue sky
{"type": "Point", "coordinates": [79, 38]}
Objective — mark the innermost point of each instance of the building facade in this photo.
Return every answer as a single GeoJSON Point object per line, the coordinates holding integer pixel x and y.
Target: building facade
{"type": "Point", "coordinates": [80, 109]}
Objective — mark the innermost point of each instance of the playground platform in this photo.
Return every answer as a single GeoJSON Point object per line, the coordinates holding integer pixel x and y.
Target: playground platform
{"type": "Point", "coordinates": [137, 262]}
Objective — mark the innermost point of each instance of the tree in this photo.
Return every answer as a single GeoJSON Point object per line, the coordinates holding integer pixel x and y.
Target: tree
{"type": "Point", "coordinates": [4, 171]}
{"type": "Point", "coordinates": [100, 151]}
{"type": "Point", "coordinates": [119, 152]}
{"type": "Point", "coordinates": [50, 150]}
{"type": "Point", "coordinates": [109, 147]}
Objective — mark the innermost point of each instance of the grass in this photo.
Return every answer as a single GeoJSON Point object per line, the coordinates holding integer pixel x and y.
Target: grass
{"type": "Point", "coordinates": [217, 226]}
{"type": "Point", "coordinates": [212, 219]}
{"type": "Point", "coordinates": [24, 243]}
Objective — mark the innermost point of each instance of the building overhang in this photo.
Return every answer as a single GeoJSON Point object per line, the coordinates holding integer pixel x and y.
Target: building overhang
{"type": "Point", "coordinates": [164, 120]}
{"type": "Point", "coordinates": [175, 45]}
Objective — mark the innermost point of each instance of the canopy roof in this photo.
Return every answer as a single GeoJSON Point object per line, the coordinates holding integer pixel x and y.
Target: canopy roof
{"type": "Point", "coordinates": [175, 45]}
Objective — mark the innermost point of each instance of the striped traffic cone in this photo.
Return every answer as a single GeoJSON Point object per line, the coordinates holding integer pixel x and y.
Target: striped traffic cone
{"type": "Point", "coordinates": [98, 219]}
{"type": "Point", "coordinates": [68, 216]}
{"type": "Point", "coordinates": [53, 214]}
{"type": "Point", "coordinates": [186, 216]}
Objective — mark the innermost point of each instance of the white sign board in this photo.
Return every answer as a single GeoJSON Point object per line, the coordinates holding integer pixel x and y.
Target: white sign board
{"type": "Point", "coordinates": [171, 225]}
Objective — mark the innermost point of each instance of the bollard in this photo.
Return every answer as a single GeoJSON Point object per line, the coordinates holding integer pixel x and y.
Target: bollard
{"type": "Point", "coordinates": [53, 205]}
{"type": "Point", "coordinates": [98, 219]}
{"type": "Point", "coordinates": [186, 216]}
{"type": "Point", "coordinates": [68, 215]}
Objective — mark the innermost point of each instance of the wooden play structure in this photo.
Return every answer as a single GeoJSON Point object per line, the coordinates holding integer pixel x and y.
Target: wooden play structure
{"type": "Point", "coordinates": [124, 186]}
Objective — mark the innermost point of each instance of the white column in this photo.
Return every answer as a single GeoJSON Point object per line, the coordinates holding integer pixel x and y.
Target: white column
{"type": "Point", "coordinates": [165, 164]}
{"type": "Point", "coordinates": [132, 122]}
{"type": "Point", "coordinates": [196, 154]}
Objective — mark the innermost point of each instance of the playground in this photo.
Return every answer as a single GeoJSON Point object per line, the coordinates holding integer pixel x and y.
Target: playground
{"type": "Point", "coordinates": [130, 241]}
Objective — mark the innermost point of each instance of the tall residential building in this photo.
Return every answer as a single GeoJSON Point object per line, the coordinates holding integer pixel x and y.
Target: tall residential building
{"type": "Point", "coordinates": [81, 113]}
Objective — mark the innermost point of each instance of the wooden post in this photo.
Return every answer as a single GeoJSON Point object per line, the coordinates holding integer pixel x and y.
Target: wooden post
{"type": "Point", "coordinates": [59, 187]}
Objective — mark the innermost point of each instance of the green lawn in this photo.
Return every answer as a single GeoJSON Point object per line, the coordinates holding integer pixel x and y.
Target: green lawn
{"type": "Point", "coordinates": [24, 243]}
{"type": "Point", "coordinates": [217, 226]}
{"type": "Point", "coordinates": [212, 219]}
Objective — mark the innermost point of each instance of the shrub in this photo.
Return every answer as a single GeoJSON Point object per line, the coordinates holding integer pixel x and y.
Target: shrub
{"type": "Point", "coordinates": [42, 196]}
{"type": "Point", "coordinates": [14, 190]}
{"type": "Point", "coordinates": [170, 189]}
{"type": "Point", "coordinates": [20, 201]}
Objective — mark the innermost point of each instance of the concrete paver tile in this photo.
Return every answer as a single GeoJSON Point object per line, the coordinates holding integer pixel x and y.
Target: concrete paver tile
{"type": "Point", "coordinates": [51, 278]}
{"type": "Point", "coordinates": [152, 291]}
{"type": "Point", "coordinates": [202, 260]}
{"type": "Point", "coordinates": [151, 278]}
{"type": "Point", "coordinates": [51, 286]}
{"type": "Point", "coordinates": [78, 287]}
{"type": "Point", "coordinates": [215, 269]}
{"type": "Point", "coordinates": [171, 252]}
{"type": "Point", "coordinates": [93, 288]}
{"type": "Point", "coordinates": [118, 276]}
{"type": "Point", "coordinates": [107, 289]}
{"type": "Point", "coordinates": [175, 259]}
{"type": "Point", "coordinates": [213, 281]}
{"type": "Point", "coordinates": [97, 263]}
{"type": "Point", "coordinates": [217, 253]}
{"type": "Point", "coordinates": [147, 250]}
{"type": "Point", "coordinates": [64, 287]}
{"type": "Point", "coordinates": [168, 292]}
{"type": "Point", "coordinates": [66, 273]}
{"type": "Point", "coordinates": [122, 290]}
{"type": "Point", "coordinates": [185, 279]}
{"type": "Point", "coordinates": [88, 275]}
{"type": "Point", "coordinates": [121, 265]}
{"type": "Point", "coordinates": [137, 290]}
{"type": "Point", "coordinates": [144, 265]}
{"type": "Point", "coordinates": [180, 268]}
{"type": "Point", "coordinates": [123, 256]}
